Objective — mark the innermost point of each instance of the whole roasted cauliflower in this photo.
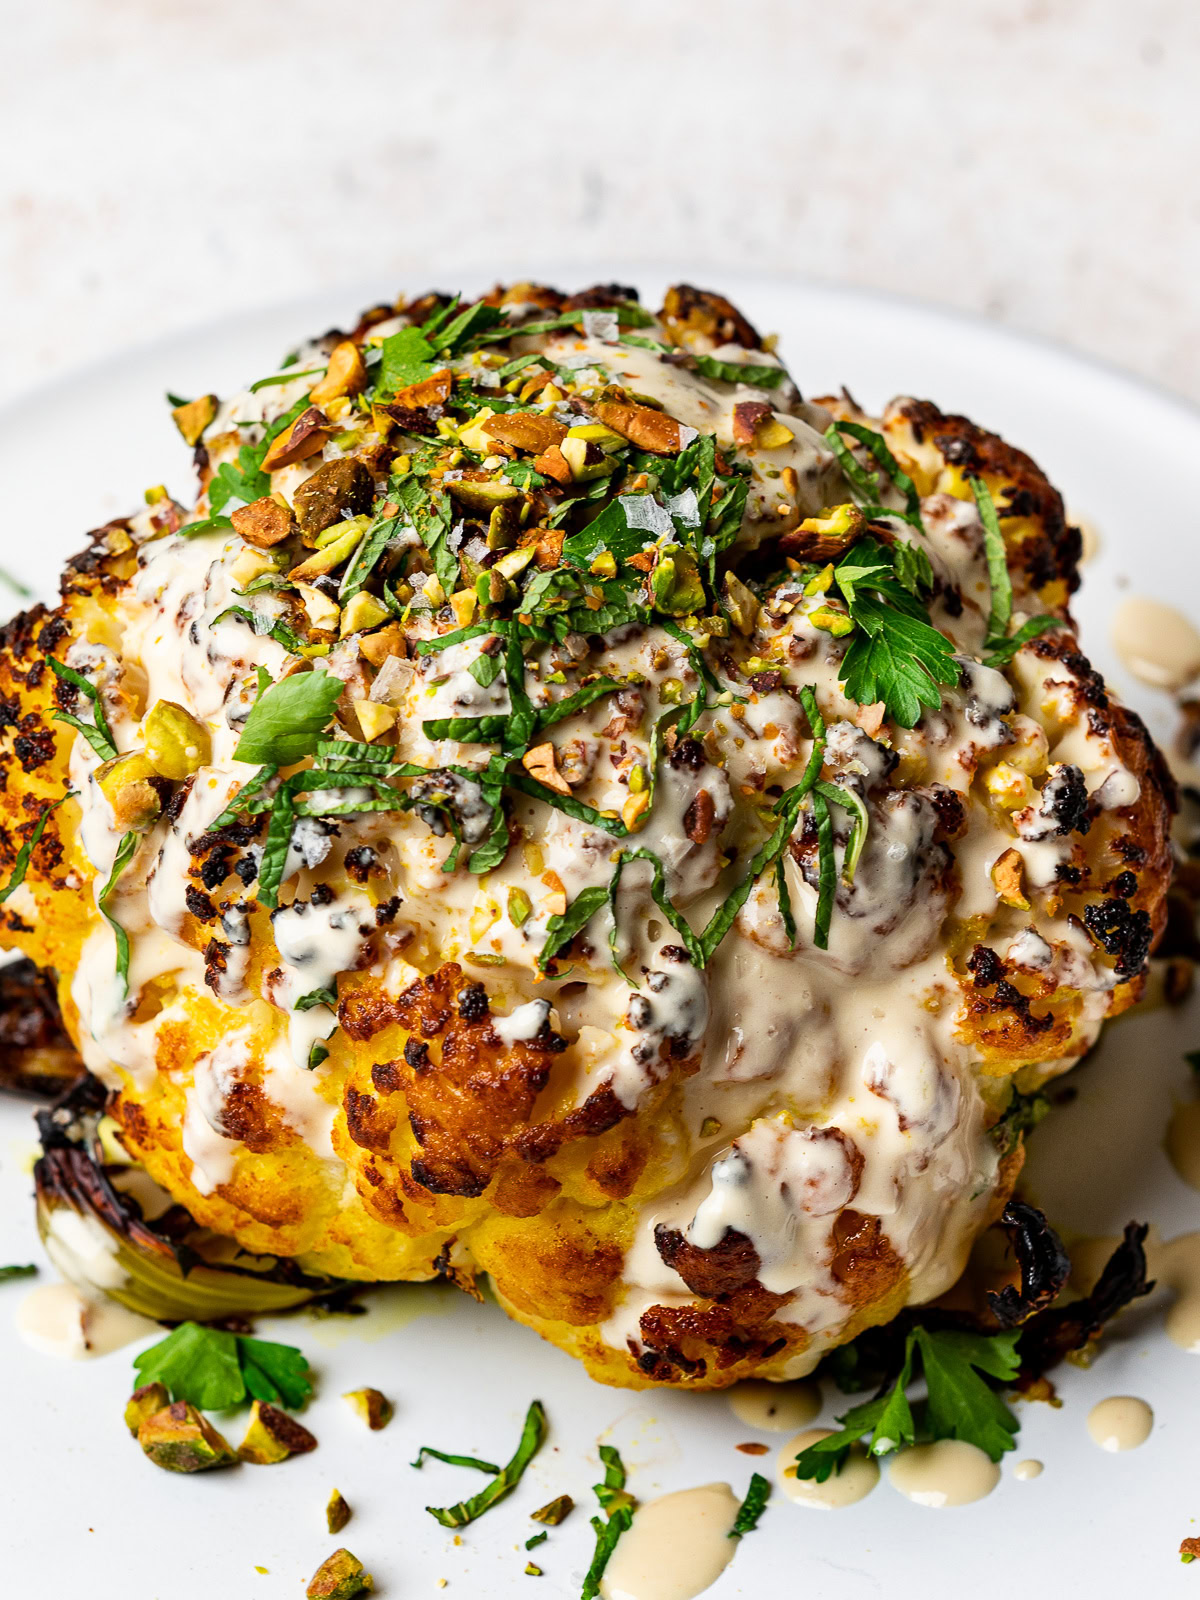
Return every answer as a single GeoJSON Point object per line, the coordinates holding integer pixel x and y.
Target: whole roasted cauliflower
{"type": "Point", "coordinates": [565, 807]}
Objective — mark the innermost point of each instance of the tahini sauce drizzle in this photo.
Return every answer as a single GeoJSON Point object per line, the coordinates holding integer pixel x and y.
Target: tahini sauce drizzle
{"type": "Point", "coordinates": [676, 1546]}
{"type": "Point", "coordinates": [775, 1407]}
{"type": "Point", "coordinates": [1183, 1141]}
{"type": "Point", "coordinates": [1026, 1470]}
{"type": "Point", "coordinates": [948, 1473]}
{"type": "Point", "coordinates": [56, 1319]}
{"type": "Point", "coordinates": [1121, 1422]}
{"type": "Point", "coordinates": [1157, 643]}
{"type": "Point", "coordinates": [845, 1488]}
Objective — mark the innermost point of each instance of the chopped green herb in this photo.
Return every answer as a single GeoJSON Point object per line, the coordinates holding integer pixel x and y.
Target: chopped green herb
{"type": "Point", "coordinates": [125, 853]}
{"type": "Point", "coordinates": [618, 1506]}
{"type": "Point", "coordinates": [738, 372]}
{"type": "Point", "coordinates": [279, 631]}
{"type": "Point", "coordinates": [215, 1370]}
{"type": "Point", "coordinates": [752, 1506]}
{"type": "Point", "coordinates": [826, 870]}
{"type": "Point", "coordinates": [562, 928]}
{"type": "Point", "coordinates": [997, 562]}
{"type": "Point", "coordinates": [554, 1511]}
{"type": "Point", "coordinates": [317, 997]}
{"type": "Point", "coordinates": [25, 853]}
{"type": "Point", "coordinates": [214, 524]}
{"type": "Point", "coordinates": [878, 446]}
{"type": "Point", "coordinates": [286, 722]}
{"type": "Point", "coordinates": [407, 358]}
{"type": "Point", "coordinates": [285, 377]}
{"type": "Point", "coordinates": [367, 556]}
{"type": "Point", "coordinates": [1002, 651]}
{"type": "Point", "coordinates": [454, 1461]}
{"type": "Point", "coordinates": [97, 732]}
{"type": "Point", "coordinates": [6, 1273]}
{"type": "Point", "coordinates": [537, 1539]}
{"type": "Point", "coordinates": [533, 1435]}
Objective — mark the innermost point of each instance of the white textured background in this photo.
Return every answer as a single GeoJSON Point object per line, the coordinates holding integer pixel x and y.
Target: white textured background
{"type": "Point", "coordinates": [165, 161]}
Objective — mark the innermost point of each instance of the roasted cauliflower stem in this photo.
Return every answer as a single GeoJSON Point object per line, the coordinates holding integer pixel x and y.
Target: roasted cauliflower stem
{"type": "Point", "coordinates": [548, 812]}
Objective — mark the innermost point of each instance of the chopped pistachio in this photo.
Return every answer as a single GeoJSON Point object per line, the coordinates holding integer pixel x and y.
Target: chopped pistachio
{"type": "Point", "coordinates": [374, 1408]}
{"type": "Point", "coordinates": [176, 744]}
{"type": "Point", "coordinates": [540, 763]}
{"type": "Point", "coordinates": [272, 1436]}
{"type": "Point", "coordinates": [340, 1577]}
{"type": "Point", "coordinates": [604, 566]}
{"type": "Point", "coordinates": [675, 582]}
{"type": "Point", "coordinates": [838, 623]}
{"type": "Point", "coordinates": [143, 1403]}
{"type": "Point", "coordinates": [514, 561]}
{"type": "Point", "coordinates": [482, 495]}
{"type": "Point", "coordinates": [250, 564]}
{"type": "Point", "coordinates": [377, 647]}
{"type": "Point", "coordinates": [836, 522]}
{"type": "Point", "coordinates": [532, 1570]}
{"type": "Point", "coordinates": [303, 438]}
{"type": "Point", "coordinates": [634, 810]}
{"type": "Point", "coordinates": [502, 527]}
{"type": "Point", "coordinates": [472, 433]}
{"type": "Point", "coordinates": [709, 1126]}
{"type": "Point", "coordinates": [125, 783]}
{"type": "Point", "coordinates": [333, 554]}
{"type": "Point", "coordinates": [346, 374]}
{"type": "Point", "coordinates": [638, 779]}
{"type": "Point", "coordinates": [179, 1439]}
{"type": "Point", "coordinates": [771, 434]}
{"type": "Point", "coordinates": [192, 419]}
{"type": "Point", "coordinates": [264, 523]}
{"type": "Point", "coordinates": [323, 612]}
{"type": "Point", "coordinates": [363, 611]}
{"type": "Point", "coordinates": [1008, 877]}
{"type": "Point", "coordinates": [597, 433]}
{"type": "Point", "coordinates": [464, 603]}
{"type": "Point", "coordinates": [374, 718]}
{"type": "Point", "coordinates": [554, 1511]}
{"type": "Point", "coordinates": [741, 603]}
{"type": "Point", "coordinates": [586, 460]}
{"type": "Point", "coordinates": [519, 907]}
{"type": "Point", "coordinates": [337, 1512]}
{"type": "Point", "coordinates": [434, 593]}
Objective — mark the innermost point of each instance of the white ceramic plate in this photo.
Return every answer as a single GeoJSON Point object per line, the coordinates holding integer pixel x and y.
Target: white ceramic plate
{"type": "Point", "coordinates": [82, 1511]}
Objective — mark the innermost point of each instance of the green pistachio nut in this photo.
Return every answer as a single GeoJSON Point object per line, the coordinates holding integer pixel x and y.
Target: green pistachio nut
{"type": "Point", "coordinates": [675, 582]}
{"type": "Point", "coordinates": [340, 1577]}
{"type": "Point", "coordinates": [176, 744]}
{"type": "Point", "coordinates": [143, 1403]}
{"type": "Point", "coordinates": [179, 1439]}
{"type": "Point", "coordinates": [126, 782]}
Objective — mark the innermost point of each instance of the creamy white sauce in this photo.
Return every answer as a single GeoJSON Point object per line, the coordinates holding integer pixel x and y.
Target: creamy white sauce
{"type": "Point", "coordinates": [950, 1472]}
{"type": "Point", "coordinates": [58, 1320]}
{"type": "Point", "coordinates": [775, 1407]}
{"type": "Point", "coordinates": [1121, 1422]}
{"type": "Point", "coordinates": [676, 1547]}
{"type": "Point", "coordinates": [1157, 643]}
{"type": "Point", "coordinates": [853, 1483]}
{"type": "Point", "coordinates": [1026, 1471]}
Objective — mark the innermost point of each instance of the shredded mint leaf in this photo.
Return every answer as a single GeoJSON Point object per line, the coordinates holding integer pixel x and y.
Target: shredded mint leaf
{"type": "Point", "coordinates": [561, 929]}
{"type": "Point", "coordinates": [454, 1461]}
{"type": "Point", "coordinates": [214, 524]}
{"type": "Point", "coordinates": [366, 557]}
{"type": "Point", "coordinates": [752, 1507]}
{"type": "Point", "coordinates": [431, 517]}
{"type": "Point", "coordinates": [618, 1506]}
{"type": "Point", "coordinates": [286, 722]}
{"type": "Point", "coordinates": [475, 320]}
{"type": "Point", "coordinates": [997, 562]}
{"type": "Point", "coordinates": [533, 1435]}
{"type": "Point", "coordinates": [826, 871]}
{"type": "Point", "coordinates": [6, 1273]}
{"type": "Point", "coordinates": [279, 631]}
{"type": "Point", "coordinates": [215, 1370]}
{"type": "Point", "coordinates": [317, 997]}
{"type": "Point", "coordinates": [878, 446]}
{"type": "Point", "coordinates": [285, 377]}
{"type": "Point", "coordinates": [97, 733]}
{"type": "Point", "coordinates": [739, 372]}
{"type": "Point", "coordinates": [125, 853]}
{"type": "Point", "coordinates": [25, 853]}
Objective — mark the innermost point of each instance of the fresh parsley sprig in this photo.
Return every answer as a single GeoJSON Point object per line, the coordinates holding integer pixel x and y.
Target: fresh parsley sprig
{"type": "Point", "coordinates": [215, 1370]}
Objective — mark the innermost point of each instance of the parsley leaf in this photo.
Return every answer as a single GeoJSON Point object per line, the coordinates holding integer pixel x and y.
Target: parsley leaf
{"type": "Point", "coordinates": [895, 653]}
{"type": "Point", "coordinates": [286, 722]}
{"type": "Point", "coordinates": [961, 1405]}
{"type": "Point", "coordinates": [215, 1370]}
{"type": "Point", "coordinates": [407, 358]}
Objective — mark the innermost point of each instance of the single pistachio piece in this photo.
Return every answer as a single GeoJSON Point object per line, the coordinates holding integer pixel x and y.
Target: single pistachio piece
{"type": "Point", "coordinates": [585, 459]}
{"type": "Point", "coordinates": [1008, 878]}
{"type": "Point", "coordinates": [604, 566]}
{"type": "Point", "coordinates": [773, 435]}
{"type": "Point", "coordinates": [820, 582]}
{"type": "Point", "coordinates": [525, 430]}
{"type": "Point", "coordinates": [374, 1408]}
{"type": "Point", "coordinates": [514, 561]}
{"type": "Point", "coordinates": [336, 490]}
{"type": "Point", "coordinates": [434, 593]}
{"type": "Point", "coordinates": [532, 1570]}
{"type": "Point", "coordinates": [126, 782]}
{"type": "Point", "coordinates": [263, 523]}
{"type": "Point", "coordinates": [374, 718]}
{"type": "Point", "coordinates": [377, 647]}
{"type": "Point", "coordinates": [249, 565]}
{"type": "Point", "coordinates": [179, 1439]}
{"type": "Point", "coordinates": [322, 612]}
{"type": "Point", "coordinates": [464, 603]}
{"type": "Point", "coordinates": [502, 527]}
{"type": "Point", "coordinates": [709, 1127]}
{"type": "Point", "coordinates": [633, 812]}
{"type": "Point", "coordinates": [345, 374]}
{"type": "Point", "coordinates": [675, 582]}
{"type": "Point", "coordinates": [741, 603]}
{"type": "Point", "coordinates": [830, 621]}
{"type": "Point", "coordinates": [341, 1577]}
{"type": "Point", "coordinates": [540, 764]}
{"type": "Point", "coordinates": [301, 439]}
{"type": "Point", "coordinates": [554, 1511]}
{"type": "Point", "coordinates": [597, 433]}
{"type": "Point", "coordinates": [844, 522]}
{"type": "Point", "coordinates": [519, 907]}
{"type": "Point", "coordinates": [638, 779]}
{"type": "Point", "coordinates": [143, 1403]}
{"type": "Point", "coordinates": [361, 612]}
{"type": "Point", "coordinates": [716, 626]}
{"type": "Point", "coordinates": [484, 494]}
{"type": "Point", "coordinates": [472, 433]}
{"type": "Point", "coordinates": [337, 1512]}
{"type": "Point", "coordinates": [176, 744]}
{"type": "Point", "coordinates": [332, 554]}
{"type": "Point", "coordinates": [192, 419]}
{"type": "Point", "coordinates": [271, 1436]}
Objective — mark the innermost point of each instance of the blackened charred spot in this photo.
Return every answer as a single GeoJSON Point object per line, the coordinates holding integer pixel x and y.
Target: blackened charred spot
{"type": "Point", "coordinates": [1123, 932]}
{"type": "Point", "coordinates": [215, 868]}
{"type": "Point", "coordinates": [416, 1054]}
{"type": "Point", "coordinates": [322, 895]}
{"type": "Point", "coordinates": [10, 712]}
{"type": "Point", "coordinates": [387, 1077]}
{"type": "Point", "coordinates": [387, 912]}
{"type": "Point", "coordinates": [360, 861]}
{"type": "Point", "coordinates": [689, 755]}
{"type": "Point", "coordinates": [33, 750]}
{"type": "Point", "coordinates": [473, 1003]}
{"type": "Point", "coordinates": [1124, 886]}
{"type": "Point", "coordinates": [1065, 799]}
{"type": "Point", "coordinates": [199, 904]}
